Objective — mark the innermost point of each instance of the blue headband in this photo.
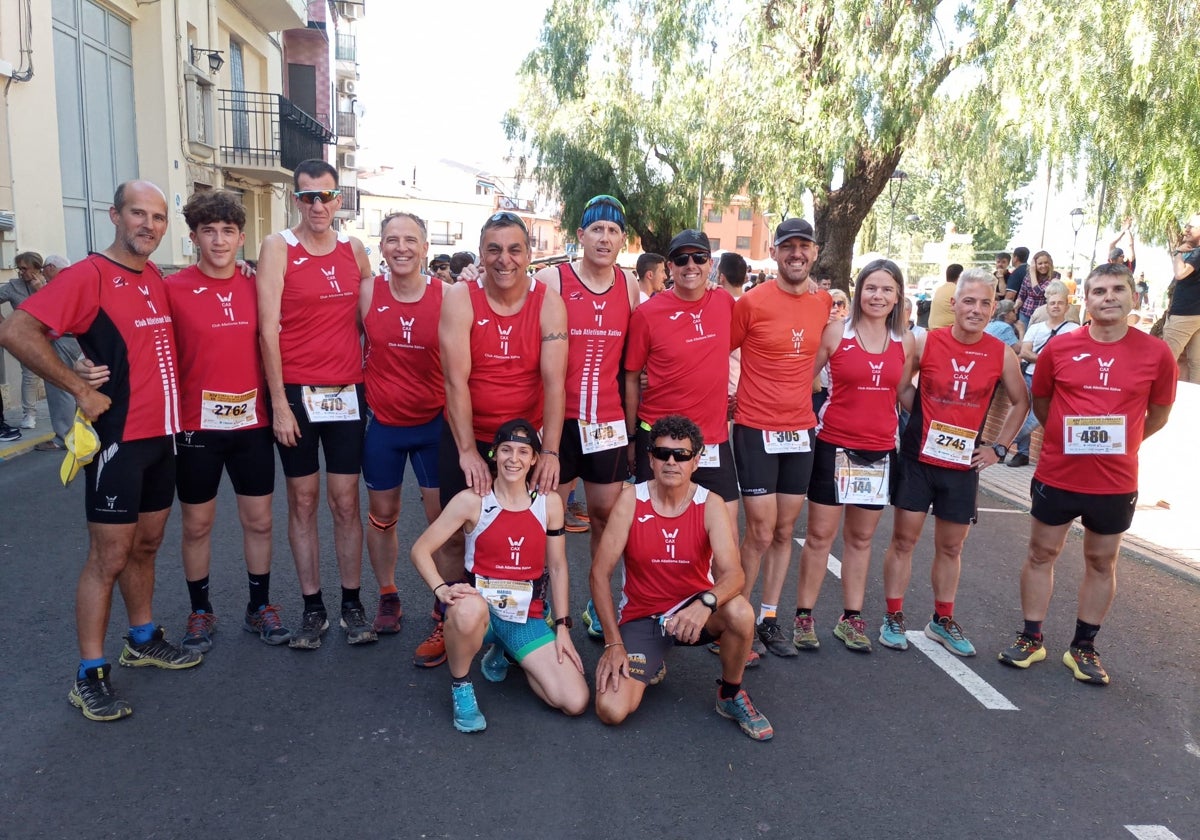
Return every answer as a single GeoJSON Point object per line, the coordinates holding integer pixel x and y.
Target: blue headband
{"type": "Point", "coordinates": [602, 210]}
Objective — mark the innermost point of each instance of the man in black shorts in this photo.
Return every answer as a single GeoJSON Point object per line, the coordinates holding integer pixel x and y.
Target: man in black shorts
{"type": "Point", "coordinates": [116, 305]}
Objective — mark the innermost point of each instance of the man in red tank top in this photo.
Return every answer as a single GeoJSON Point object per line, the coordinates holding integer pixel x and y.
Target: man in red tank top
{"type": "Point", "coordinates": [681, 585]}
{"type": "Point", "coordinates": [599, 297]}
{"type": "Point", "coordinates": [115, 303]}
{"type": "Point", "coordinates": [308, 286]}
{"type": "Point", "coordinates": [504, 354]}
{"type": "Point", "coordinates": [941, 454]}
{"type": "Point", "coordinates": [1098, 391]}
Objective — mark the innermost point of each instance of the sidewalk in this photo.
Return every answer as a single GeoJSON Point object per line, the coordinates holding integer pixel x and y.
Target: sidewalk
{"type": "Point", "coordinates": [29, 437]}
{"type": "Point", "coordinates": [1164, 527]}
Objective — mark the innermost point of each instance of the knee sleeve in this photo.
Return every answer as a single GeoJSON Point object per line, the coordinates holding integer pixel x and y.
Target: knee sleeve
{"type": "Point", "coordinates": [382, 527]}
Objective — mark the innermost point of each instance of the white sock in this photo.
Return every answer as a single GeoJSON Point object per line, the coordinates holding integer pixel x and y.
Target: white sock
{"type": "Point", "coordinates": [766, 611]}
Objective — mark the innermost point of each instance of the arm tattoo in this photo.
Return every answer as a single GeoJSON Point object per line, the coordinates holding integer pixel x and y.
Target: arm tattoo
{"type": "Point", "coordinates": [562, 336]}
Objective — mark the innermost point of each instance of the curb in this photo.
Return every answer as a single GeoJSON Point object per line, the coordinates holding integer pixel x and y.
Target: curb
{"type": "Point", "coordinates": [12, 449]}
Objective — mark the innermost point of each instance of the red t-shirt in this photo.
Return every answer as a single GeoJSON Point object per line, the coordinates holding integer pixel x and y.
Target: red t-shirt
{"type": "Point", "coordinates": [596, 326]}
{"type": "Point", "coordinates": [122, 319]}
{"type": "Point", "coordinates": [667, 558]}
{"type": "Point", "coordinates": [1086, 378]}
{"type": "Point", "coordinates": [403, 361]}
{"type": "Point", "coordinates": [509, 544]}
{"type": "Point", "coordinates": [956, 387]}
{"type": "Point", "coordinates": [684, 348]}
{"type": "Point", "coordinates": [506, 356]}
{"type": "Point", "coordinates": [319, 342]}
{"type": "Point", "coordinates": [779, 335]}
{"type": "Point", "coordinates": [861, 410]}
{"type": "Point", "coordinates": [216, 331]}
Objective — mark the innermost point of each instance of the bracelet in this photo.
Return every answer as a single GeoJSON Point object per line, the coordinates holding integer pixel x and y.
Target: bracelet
{"type": "Point", "coordinates": [549, 452]}
{"type": "Point", "coordinates": [439, 586]}
{"type": "Point", "coordinates": [614, 644]}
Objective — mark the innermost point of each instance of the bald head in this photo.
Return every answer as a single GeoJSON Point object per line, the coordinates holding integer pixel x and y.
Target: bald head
{"type": "Point", "coordinates": [141, 189]}
{"type": "Point", "coordinates": [139, 213]}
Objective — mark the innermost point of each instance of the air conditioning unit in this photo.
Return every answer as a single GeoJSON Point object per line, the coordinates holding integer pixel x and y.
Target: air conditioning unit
{"type": "Point", "coordinates": [347, 86]}
{"type": "Point", "coordinates": [350, 11]}
{"type": "Point", "coordinates": [349, 160]}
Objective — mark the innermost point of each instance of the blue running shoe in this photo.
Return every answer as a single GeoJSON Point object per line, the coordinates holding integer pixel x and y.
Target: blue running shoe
{"type": "Point", "coordinates": [494, 664]}
{"type": "Point", "coordinates": [891, 633]}
{"type": "Point", "coordinates": [949, 635]}
{"type": "Point", "coordinates": [592, 621]}
{"type": "Point", "coordinates": [467, 717]}
{"type": "Point", "coordinates": [740, 709]}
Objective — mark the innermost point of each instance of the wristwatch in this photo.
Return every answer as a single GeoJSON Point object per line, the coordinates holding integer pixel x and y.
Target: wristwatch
{"type": "Point", "coordinates": [1001, 450]}
{"type": "Point", "coordinates": [708, 599]}
{"type": "Point", "coordinates": [565, 621]}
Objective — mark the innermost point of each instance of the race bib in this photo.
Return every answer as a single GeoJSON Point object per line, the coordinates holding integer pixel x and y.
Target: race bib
{"type": "Point", "coordinates": [1094, 435]}
{"type": "Point", "coordinates": [861, 482]}
{"type": "Point", "coordinates": [330, 403]}
{"type": "Point", "coordinates": [781, 443]}
{"type": "Point", "coordinates": [953, 444]}
{"type": "Point", "coordinates": [711, 456]}
{"type": "Point", "coordinates": [598, 437]}
{"type": "Point", "coordinates": [228, 411]}
{"type": "Point", "coordinates": [507, 599]}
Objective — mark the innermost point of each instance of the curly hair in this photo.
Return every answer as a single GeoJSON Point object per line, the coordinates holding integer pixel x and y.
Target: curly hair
{"type": "Point", "coordinates": [679, 427]}
{"type": "Point", "coordinates": [212, 206]}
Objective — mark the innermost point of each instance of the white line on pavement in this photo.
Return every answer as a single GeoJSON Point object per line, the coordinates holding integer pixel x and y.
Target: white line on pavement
{"type": "Point", "coordinates": [1151, 832]}
{"type": "Point", "coordinates": [960, 673]}
{"type": "Point", "coordinates": [1003, 510]}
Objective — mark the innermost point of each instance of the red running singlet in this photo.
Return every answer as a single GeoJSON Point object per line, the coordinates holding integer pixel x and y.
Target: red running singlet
{"type": "Point", "coordinates": [596, 327]}
{"type": "Point", "coordinates": [861, 410]}
{"type": "Point", "coordinates": [403, 365]}
{"type": "Point", "coordinates": [506, 355]}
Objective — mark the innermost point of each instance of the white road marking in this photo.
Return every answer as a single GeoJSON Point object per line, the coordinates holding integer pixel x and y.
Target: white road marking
{"type": "Point", "coordinates": [960, 673]}
{"type": "Point", "coordinates": [1151, 832]}
{"type": "Point", "coordinates": [1003, 510]}
{"type": "Point", "coordinates": [833, 564]}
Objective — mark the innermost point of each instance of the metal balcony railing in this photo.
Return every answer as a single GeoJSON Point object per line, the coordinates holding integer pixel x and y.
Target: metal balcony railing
{"type": "Point", "coordinates": [347, 48]}
{"type": "Point", "coordinates": [268, 130]}
{"type": "Point", "coordinates": [349, 200]}
{"type": "Point", "coordinates": [347, 124]}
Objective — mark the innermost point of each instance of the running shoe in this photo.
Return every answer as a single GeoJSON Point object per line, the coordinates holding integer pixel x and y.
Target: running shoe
{"type": "Point", "coordinates": [891, 632]}
{"type": "Point", "coordinates": [1024, 651]}
{"type": "Point", "coordinates": [467, 717]}
{"type": "Point", "coordinates": [804, 633]}
{"type": "Point", "coordinates": [949, 635]}
{"type": "Point", "coordinates": [572, 524]}
{"type": "Point", "coordinates": [853, 632]}
{"type": "Point", "coordinates": [592, 621]}
{"type": "Point", "coordinates": [431, 652]}
{"type": "Point", "coordinates": [9, 433]}
{"type": "Point", "coordinates": [389, 615]}
{"type": "Point", "coordinates": [773, 639]}
{"type": "Point", "coordinates": [29, 422]}
{"type": "Point", "coordinates": [265, 621]}
{"type": "Point", "coordinates": [1085, 665]}
{"type": "Point", "coordinates": [740, 708]}
{"type": "Point", "coordinates": [157, 652]}
{"type": "Point", "coordinates": [313, 625]}
{"type": "Point", "coordinates": [93, 695]}
{"type": "Point", "coordinates": [358, 629]}
{"type": "Point", "coordinates": [752, 659]}
{"type": "Point", "coordinates": [579, 511]}
{"type": "Point", "coordinates": [200, 627]}
{"type": "Point", "coordinates": [494, 664]}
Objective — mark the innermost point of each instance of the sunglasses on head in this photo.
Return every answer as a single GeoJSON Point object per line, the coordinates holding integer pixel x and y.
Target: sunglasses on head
{"type": "Point", "coordinates": [682, 260]}
{"type": "Point", "coordinates": [666, 453]}
{"type": "Point", "coordinates": [505, 216]}
{"type": "Point", "coordinates": [606, 199]}
{"type": "Point", "coordinates": [313, 196]}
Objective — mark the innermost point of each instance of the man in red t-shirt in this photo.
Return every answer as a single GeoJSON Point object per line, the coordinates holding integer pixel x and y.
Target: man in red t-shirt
{"type": "Point", "coordinates": [1098, 392]}
{"type": "Point", "coordinates": [309, 278]}
{"type": "Point", "coordinates": [115, 303]}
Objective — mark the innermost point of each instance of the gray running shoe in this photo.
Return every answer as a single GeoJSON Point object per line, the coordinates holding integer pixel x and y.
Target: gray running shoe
{"type": "Point", "coordinates": [267, 624]}
{"type": "Point", "coordinates": [157, 652]}
{"type": "Point", "coordinates": [313, 625]}
{"type": "Point", "coordinates": [93, 695]}
{"type": "Point", "coordinates": [773, 639]}
{"type": "Point", "coordinates": [358, 630]}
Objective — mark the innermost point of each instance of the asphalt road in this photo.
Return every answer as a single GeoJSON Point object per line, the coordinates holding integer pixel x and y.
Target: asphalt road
{"type": "Point", "coordinates": [356, 742]}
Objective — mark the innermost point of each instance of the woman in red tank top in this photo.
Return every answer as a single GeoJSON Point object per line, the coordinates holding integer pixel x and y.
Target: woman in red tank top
{"type": "Point", "coordinates": [506, 599]}
{"type": "Point", "coordinates": [870, 357]}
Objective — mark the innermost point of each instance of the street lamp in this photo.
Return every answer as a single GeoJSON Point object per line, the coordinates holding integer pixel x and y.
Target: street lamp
{"type": "Point", "coordinates": [911, 220]}
{"type": "Point", "coordinates": [1076, 225]}
{"type": "Point", "coordinates": [895, 187]}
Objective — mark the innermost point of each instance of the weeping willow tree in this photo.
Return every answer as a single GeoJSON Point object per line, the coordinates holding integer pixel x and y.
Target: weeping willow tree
{"type": "Point", "coordinates": [656, 101]}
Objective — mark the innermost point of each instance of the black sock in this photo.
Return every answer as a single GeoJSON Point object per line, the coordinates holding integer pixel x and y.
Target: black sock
{"type": "Point", "coordinates": [314, 602]}
{"type": "Point", "coordinates": [455, 682]}
{"type": "Point", "coordinates": [1033, 629]}
{"type": "Point", "coordinates": [1085, 634]}
{"type": "Point", "coordinates": [260, 591]}
{"type": "Point", "coordinates": [728, 690]}
{"type": "Point", "coordinates": [350, 597]}
{"type": "Point", "coordinates": [198, 593]}
{"type": "Point", "coordinates": [803, 613]}
{"type": "Point", "coordinates": [849, 614]}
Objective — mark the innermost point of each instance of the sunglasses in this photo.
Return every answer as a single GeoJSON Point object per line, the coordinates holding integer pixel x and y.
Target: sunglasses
{"type": "Point", "coordinates": [313, 196]}
{"type": "Point", "coordinates": [606, 199]}
{"type": "Point", "coordinates": [699, 259]}
{"type": "Point", "coordinates": [665, 453]}
{"type": "Point", "coordinates": [840, 304]}
{"type": "Point", "coordinates": [509, 218]}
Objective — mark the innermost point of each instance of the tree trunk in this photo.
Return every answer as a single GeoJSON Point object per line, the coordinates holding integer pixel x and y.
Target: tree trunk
{"type": "Point", "coordinates": [840, 213]}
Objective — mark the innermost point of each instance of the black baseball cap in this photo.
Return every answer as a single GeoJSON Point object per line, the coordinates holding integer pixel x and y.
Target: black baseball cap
{"type": "Point", "coordinates": [689, 239]}
{"type": "Point", "coordinates": [518, 430]}
{"type": "Point", "coordinates": [794, 229]}
{"type": "Point", "coordinates": [444, 259]}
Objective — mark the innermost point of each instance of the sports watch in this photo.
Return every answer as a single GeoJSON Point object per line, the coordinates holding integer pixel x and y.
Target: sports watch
{"type": "Point", "coordinates": [708, 599]}
{"type": "Point", "coordinates": [1001, 450]}
{"type": "Point", "coordinates": [565, 621]}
